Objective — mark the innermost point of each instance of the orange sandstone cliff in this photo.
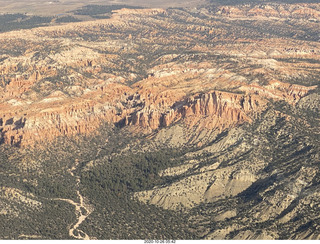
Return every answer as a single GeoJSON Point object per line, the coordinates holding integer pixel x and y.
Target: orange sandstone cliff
{"type": "Point", "coordinates": [67, 80]}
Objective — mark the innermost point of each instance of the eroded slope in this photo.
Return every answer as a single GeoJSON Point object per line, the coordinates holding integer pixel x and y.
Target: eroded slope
{"type": "Point", "coordinates": [205, 121]}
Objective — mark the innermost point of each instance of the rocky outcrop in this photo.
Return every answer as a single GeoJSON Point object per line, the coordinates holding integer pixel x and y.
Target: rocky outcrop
{"type": "Point", "coordinates": [81, 110]}
{"type": "Point", "coordinates": [133, 70]}
{"type": "Point", "coordinates": [295, 11]}
{"type": "Point", "coordinates": [197, 183]}
{"type": "Point", "coordinates": [204, 187]}
{"type": "Point", "coordinates": [19, 85]}
{"type": "Point", "coordinates": [280, 90]}
{"type": "Point", "coordinates": [214, 110]}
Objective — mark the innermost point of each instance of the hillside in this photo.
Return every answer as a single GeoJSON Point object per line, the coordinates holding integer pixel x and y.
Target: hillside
{"type": "Point", "coordinates": [154, 123]}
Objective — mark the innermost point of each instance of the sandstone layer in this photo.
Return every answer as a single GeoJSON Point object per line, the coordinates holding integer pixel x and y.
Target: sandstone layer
{"type": "Point", "coordinates": [211, 114]}
{"type": "Point", "coordinates": [64, 80]}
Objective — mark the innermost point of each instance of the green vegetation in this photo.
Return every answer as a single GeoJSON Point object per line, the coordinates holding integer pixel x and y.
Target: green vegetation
{"type": "Point", "coordinates": [109, 174]}
{"type": "Point", "coordinates": [108, 167]}
{"type": "Point", "coordinates": [67, 19]}
{"type": "Point", "coordinates": [286, 147]}
{"type": "Point", "coordinates": [130, 173]}
{"type": "Point", "coordinates": [107, 179]}
{"type": "Point", "coordinates": [9, 22]}
{"type": "Point", "coordinates": [50, 221]}
{"type": "Point", "coordinates": [101, 11]}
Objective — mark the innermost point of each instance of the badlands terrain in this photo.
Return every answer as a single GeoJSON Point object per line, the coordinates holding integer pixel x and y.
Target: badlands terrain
{"type": "Point", "coordinates": [122, 122]}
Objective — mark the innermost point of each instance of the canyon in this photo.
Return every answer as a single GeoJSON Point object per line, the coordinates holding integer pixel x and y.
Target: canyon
{"type": "Point", "coordinates": [184, 123]}
{"type": "Point", "coordinates": [84, 93]}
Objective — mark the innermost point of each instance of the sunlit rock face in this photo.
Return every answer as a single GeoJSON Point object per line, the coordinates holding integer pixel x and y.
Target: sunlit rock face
{"type": "Point", "coordinates": [203, 121]}
{"type": "Point", "coordinates": [132, 70]}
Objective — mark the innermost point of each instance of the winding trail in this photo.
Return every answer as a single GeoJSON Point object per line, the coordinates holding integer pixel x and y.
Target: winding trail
{"type": "Point", "coordinates": [82, 210]}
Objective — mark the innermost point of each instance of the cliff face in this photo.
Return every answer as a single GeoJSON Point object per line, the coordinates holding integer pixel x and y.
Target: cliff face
{"type": "Point", "coordinates": [64, 80]}
{"type": "Point", "coordinates": [59, 115]}
{"type": "Point", "coordinates": [56, 115]}
{"type": "Point", "coordinates": [212, 110]}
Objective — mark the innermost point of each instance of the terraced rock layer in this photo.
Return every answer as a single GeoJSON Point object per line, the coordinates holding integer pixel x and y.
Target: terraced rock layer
{"type": "Point", "coordinates": [64, 80]}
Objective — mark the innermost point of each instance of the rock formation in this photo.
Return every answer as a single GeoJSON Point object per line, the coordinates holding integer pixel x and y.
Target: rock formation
{"type": "Point", "coordinates": [62, 82]}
